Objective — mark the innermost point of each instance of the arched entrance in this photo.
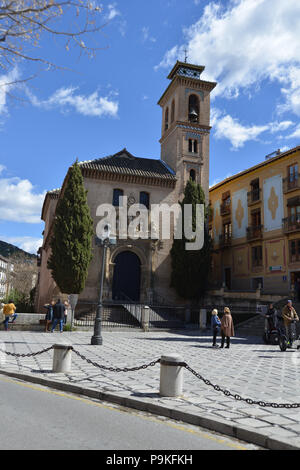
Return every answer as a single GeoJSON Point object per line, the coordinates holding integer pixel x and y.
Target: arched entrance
{"type": "Point", "coordinates": [127, 276]}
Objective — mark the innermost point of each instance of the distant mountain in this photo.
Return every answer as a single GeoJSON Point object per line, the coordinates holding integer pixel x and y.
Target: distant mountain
{"type": "Point", "coordinates": [8, 250]}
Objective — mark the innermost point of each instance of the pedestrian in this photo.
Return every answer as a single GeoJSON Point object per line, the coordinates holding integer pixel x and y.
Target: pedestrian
{"type": "Point", "coordinates": [215, 326]}
{"type": "Point", "coordinates": [227, 329]}
{"type": "Point", "coordinates": [58, 316]}
{"type": "Point", "coordinates": [289, 315]}
{"type": "Point", "coordinates": [66, 311]}
{"type": "Point", "coordinates": [9, 310]}
{"type": "Point", "coordinates": [49, 315]}
{"type": "Point", "coordinates": [271, 316]}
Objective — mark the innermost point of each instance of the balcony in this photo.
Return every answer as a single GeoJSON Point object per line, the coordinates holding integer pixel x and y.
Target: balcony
{"type": "Point", "coordinates": [225, 208]}
{"type": "Point", "coordinates": [254, 196]}
{"type": "Point", "coordinates": [225, 240]}
{"type": "Point", "coordinates": [291, 224]}
{"type": "Point", "coordinates": [291, 184]}
{"type": "Point", "coordinates": [254, 232]}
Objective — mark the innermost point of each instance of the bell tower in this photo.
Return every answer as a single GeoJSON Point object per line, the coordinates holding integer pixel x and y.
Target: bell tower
{"type": "Point", "coordinates": [185, 125]}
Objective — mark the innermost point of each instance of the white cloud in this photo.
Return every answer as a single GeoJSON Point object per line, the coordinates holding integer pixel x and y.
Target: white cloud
{"type": "Point", "coordinates": [29, 244]}
{"type": "Point", "coordinates": [91, 105]}
{"type": "Point", "coordinates": [146, 35]}
{"type": "Point", "coordinates": [295, 134]}
{"type": "Point", "coordinates": [280, 126]}
{"type": "Point", "coordinates": [19, 202]}
{"type": "Point", "coordinates": [227, 127]}
{"type": "Point", "coordinates": [112, 11]}
{"type": "Point", "coordinates": [291, 90]}
{"type": "Point", "coordinates": [244, 43]}
{"type": "Point", "coordinates": [7, 83]}
{"type": "Point", "coordinates": [284, 148]}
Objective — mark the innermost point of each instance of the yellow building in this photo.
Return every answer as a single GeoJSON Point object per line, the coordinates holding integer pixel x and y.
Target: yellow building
{"type": "Point", "coordinates": [255, 226]}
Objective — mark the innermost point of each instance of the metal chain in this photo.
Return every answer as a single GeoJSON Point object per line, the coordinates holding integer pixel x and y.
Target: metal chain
{"type": "Point", "coordinates": [238, 397]}
{"type": "Point", "coordinates": [116, 369]}
{"type": "Point", "coordinates": [217, 388]}
{"type": "Point", "coordinates": [26, 355]}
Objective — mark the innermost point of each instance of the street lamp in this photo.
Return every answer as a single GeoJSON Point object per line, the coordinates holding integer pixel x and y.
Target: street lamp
{"type": "Point", "coordinates": [104, 241]}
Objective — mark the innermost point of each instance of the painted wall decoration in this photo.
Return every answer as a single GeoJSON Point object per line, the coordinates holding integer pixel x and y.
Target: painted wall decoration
{"type": "Point", "coordinates": [273, 203]}
{"type": "Point", "coordinates": [239, 213]}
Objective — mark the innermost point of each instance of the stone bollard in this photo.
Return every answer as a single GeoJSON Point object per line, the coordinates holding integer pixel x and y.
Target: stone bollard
{"type": "Point", "coordinates": [62, 358]}
{"type": "Point", "coordinates": [145, 317]}
{"type": "Point", "coordinates": [171, 376]}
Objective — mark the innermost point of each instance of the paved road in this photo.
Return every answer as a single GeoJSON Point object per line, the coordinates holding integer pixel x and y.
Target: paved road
{"type": "Point", "coordinates": [35, 417]}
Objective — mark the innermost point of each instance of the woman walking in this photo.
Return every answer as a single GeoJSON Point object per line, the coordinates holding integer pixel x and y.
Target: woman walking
{"type": "Point", "coordinates": [227, 329]}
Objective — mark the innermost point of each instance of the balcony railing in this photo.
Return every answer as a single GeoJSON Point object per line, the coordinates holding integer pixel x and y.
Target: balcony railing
{"type": "Point", "coordinates": [254, 196]}
{"type": "Point", "coordinates": [291, 224]}
{"type": "Point", "coordinates": [225, 208]}
{"type": "Point", "coordinates": [225, 240]}
{"type": "Point", "coordinates": [254, 232]}
{"type": "Point", "coordinates": [290, 184]}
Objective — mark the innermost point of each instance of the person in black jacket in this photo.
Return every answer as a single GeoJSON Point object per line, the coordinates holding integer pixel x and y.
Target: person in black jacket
{"type": "Point", "coordinates": [58, 316]}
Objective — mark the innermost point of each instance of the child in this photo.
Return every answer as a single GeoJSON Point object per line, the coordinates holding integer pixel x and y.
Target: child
{"type": "Point", "coordinates": [215, 325]}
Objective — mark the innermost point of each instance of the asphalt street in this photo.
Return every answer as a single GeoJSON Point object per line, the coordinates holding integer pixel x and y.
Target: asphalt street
{"type": "Point", "coordinates": [39, 418]}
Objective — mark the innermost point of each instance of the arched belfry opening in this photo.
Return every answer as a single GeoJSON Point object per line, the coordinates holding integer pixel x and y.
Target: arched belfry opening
{"type": "Point", "coordinates": [194, 108]}
{"type": "Point", "coordinates": [127, 277]}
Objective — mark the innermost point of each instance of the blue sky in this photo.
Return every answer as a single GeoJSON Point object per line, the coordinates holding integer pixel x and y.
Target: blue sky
{"type": "Point", "coordinates": [99, 106]}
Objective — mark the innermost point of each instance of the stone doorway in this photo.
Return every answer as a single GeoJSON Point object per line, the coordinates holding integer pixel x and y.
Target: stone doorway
{"type": "Point", "coordinates": [127, 277]}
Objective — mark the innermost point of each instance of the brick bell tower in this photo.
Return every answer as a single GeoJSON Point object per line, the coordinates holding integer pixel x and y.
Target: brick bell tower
{"type": "Point", "coordinates": [185, 125]}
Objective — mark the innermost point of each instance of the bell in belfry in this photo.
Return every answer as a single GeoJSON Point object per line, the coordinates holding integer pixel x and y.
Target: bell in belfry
{"type": "Point", "coordinates": [193, 116]}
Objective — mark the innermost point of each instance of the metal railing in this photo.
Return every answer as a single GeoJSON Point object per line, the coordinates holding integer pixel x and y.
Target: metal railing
{"type": "Point", "coordinates": [254, 232]}
{"type": "Point", "coordinates": [225, 240]}
{"type": "Point", "coordinates": [254, 196]}
{"type": "Point", "coordinates": [289, 184]}
{"type": "Point", "coordinates": [113, 316]}
{"type": "Point", "coordinates": [225, 208]}
{"type": "Point", "coordinates": [291, 224]}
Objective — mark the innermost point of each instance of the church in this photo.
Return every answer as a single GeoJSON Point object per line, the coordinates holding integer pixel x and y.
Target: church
{"type": "Point", "coordinates": [140, 269]}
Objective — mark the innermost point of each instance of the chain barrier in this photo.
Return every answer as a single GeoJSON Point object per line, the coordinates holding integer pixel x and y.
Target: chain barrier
{"type": "Point", "coordinates": [116, 369]}
{"type": "Point", "coordinates": [26, 355]}
{"type": "Point", "coordinates": [217, 388]}
{"type": "Point", "coordinates": [237, 397]}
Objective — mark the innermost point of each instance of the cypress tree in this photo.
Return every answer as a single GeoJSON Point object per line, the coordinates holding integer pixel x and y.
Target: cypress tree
{"type": "Point", "coordinates": [71, 242]}
{"type": "Point", "coordinates": [190, 268]}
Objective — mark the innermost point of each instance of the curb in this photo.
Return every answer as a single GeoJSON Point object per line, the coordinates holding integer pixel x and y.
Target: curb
{"type": "Point", "coordinates": [222, 426]}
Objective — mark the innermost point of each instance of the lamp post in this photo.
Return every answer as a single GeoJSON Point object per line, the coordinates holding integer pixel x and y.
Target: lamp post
{"type": "Point", "coordinates": [105, 242]}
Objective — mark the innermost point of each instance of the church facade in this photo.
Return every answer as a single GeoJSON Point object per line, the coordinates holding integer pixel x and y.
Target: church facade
{"type": "Point", "coordinates": [140, 269]}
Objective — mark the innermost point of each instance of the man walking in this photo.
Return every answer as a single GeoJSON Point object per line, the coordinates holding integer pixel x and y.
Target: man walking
{"type": "Point", "coordinates": [289, 315]}
{"type": "Point", "coordinates": [58, 316]}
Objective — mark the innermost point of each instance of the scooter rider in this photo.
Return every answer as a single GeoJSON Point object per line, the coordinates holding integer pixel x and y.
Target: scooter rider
{"type": "Point", "coordinates": [289, 315]}
{"type": "Point", "coordinates": [271, 316]}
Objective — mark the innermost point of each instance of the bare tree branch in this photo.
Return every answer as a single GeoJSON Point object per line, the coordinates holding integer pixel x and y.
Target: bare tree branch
{"type": "Point", "coordinates": [24, 22]}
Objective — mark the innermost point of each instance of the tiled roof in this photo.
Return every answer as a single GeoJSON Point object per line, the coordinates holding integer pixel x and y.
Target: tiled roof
{"type": "Point", "coordinates": [123, 163]}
